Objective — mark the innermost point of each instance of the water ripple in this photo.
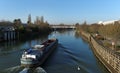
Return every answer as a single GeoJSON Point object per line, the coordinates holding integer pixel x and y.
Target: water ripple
{"type": "Point", "coordinates": [19, 69]}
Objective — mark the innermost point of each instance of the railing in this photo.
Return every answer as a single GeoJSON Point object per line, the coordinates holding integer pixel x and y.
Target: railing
{"type": "Point", "coordinates": [109, 56]}
{"type": "Point", "coordinates": [62, 26]}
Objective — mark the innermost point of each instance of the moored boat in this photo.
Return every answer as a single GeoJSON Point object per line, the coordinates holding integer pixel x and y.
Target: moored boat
{"type": "Point", "coordinates": [36, 55]}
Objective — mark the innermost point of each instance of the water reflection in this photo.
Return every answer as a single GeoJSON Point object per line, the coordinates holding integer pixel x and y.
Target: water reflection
{"type": "Point", "coordinates": [77, 35]}
{"type": "Point", "coordinates": [19, 69]}
{"type": "Point", "coordinates": [10, 52]}
{"type": "Point", "coordinates": [72, 52]}
{"type": "Point", "coordinates": [15, 45]}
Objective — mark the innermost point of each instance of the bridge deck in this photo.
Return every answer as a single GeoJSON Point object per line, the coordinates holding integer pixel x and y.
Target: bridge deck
{"type": "Point", "coordinates": [63, 26]}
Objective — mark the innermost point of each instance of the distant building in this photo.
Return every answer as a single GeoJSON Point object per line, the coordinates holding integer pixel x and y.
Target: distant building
{"type": "Point", "coordinates": [108, 22]}
{"type": "Point", "coordinates": [7, 32]}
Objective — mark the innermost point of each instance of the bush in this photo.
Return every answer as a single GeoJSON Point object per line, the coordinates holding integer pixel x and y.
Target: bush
{"type": "Point", "coordinates": [107, 44]}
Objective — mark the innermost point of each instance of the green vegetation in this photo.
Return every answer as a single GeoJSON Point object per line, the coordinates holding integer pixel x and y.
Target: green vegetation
{"type": "Point", "coordinates": [109, 32]}
{"type": "Point", "coordinates": [39, 27]}
{"type": "Point", "coordinates": [106, 44]}
{"type": "Point", "coordinates": [29, 30]}
{"type": "Point", "coordinates": [112, 31]}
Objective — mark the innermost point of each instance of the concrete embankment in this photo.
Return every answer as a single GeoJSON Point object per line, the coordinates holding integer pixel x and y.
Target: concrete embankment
{"type": "Point", "coordinates": [108, 57]}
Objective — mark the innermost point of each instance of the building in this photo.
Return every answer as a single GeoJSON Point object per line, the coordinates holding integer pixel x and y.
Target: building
{"type": "Point", "coordinates": [7, 32]}
{"type": "Point", "coordinates": [108, 22]}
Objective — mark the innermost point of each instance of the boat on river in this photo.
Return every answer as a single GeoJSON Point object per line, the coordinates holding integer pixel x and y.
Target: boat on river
{"type": "Point", "coordinates": [36, 55]}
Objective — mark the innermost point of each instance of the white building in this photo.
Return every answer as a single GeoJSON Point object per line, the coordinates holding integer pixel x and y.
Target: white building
{"type": "Point", "coordinates": [108, 22]}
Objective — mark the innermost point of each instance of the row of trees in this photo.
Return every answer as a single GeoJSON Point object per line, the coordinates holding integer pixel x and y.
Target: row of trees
{"type": "Point", "coordinates": [112, 31]}
{"type": "Point", "coordinates": [29, 28]}
{"type": "Point", "coordinates": [109, 31]}
{"type": "Point", "coordinates": [38, 26]}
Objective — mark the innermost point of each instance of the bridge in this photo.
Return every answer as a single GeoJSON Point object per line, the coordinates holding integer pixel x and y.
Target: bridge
{"type": "Point", "coordinates": [62, 26]}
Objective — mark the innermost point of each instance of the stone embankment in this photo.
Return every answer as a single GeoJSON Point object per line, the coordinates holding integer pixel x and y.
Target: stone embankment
{"type": "Point", "coordinates": [108, 57]}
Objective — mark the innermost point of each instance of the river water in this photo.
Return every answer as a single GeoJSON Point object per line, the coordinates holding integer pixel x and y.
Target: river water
{"type": "Point", "coordinates": [73, 55]}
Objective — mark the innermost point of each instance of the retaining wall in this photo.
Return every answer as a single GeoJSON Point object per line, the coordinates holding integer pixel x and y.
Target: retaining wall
{"type": "Point", "coordinates": [107, 56]}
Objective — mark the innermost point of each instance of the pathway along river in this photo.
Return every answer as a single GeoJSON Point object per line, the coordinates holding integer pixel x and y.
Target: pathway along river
{"type": "Point", "coordinates": [73, 55]}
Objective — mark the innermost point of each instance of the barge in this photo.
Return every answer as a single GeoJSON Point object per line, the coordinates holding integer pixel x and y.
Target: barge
{"type": "Point", "coordinates": [36, 55]}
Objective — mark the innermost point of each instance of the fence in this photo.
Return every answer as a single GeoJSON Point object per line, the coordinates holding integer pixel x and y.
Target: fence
{"type": "Point", "coordinates": [111, 59]}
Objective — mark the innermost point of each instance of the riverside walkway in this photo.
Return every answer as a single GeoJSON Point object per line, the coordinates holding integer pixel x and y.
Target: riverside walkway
{"type": "Point", "coordinates": [107, 56]}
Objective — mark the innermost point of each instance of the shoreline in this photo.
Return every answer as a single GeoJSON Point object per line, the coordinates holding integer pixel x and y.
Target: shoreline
{"type": "Point", "coordinates": [103, 54]}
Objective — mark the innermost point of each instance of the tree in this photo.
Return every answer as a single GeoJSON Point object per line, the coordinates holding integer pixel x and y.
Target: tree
{"type": "Point", "coordinates": [84, 27]}
{"type": "Point", "coordinates": [77, 25]}
{"type": "Point", "coordinates": [29, 19]}
{"type": "Point", "coordinates": [18, 24]}
{"type": "Point", "coordinates": [37, 21]}
{"type": "Point", "coordinates": [85, 23]}
{"type": "Point", "coordinates": [93, 28]}
{"type": "Point", "coordinates": [46, 23]}
{"type": "Point", "coordinates": [42, 19]}
{"type": "Point", "coordinates": [17, 21]}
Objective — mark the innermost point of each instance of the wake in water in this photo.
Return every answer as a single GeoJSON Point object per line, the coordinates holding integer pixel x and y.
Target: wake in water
{"type": "Point", "coordinates": [19, 69]}
{"type": "Point", "coordinates": [77, 63]}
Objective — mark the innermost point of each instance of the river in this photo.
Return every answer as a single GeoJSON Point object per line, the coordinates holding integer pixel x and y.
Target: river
{"type": "Point", "coordinates": [73, 55]}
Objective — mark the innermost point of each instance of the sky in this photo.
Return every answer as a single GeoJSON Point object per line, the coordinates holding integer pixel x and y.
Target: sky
{"type": "Point", "coordinates": [61, 11]}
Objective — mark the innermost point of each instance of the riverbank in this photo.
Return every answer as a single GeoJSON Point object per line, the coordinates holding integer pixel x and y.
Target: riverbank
{"type": "Point", "coordinates": [109, 58]}
{"type": "Point", "coordinates": [65, 59]}
{"type": "Point", "coordinates": [17, 30]}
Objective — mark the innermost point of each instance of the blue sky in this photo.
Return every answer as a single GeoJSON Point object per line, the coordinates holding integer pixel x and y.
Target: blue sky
{"type": "Point", "coordinates": [61, 11]}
